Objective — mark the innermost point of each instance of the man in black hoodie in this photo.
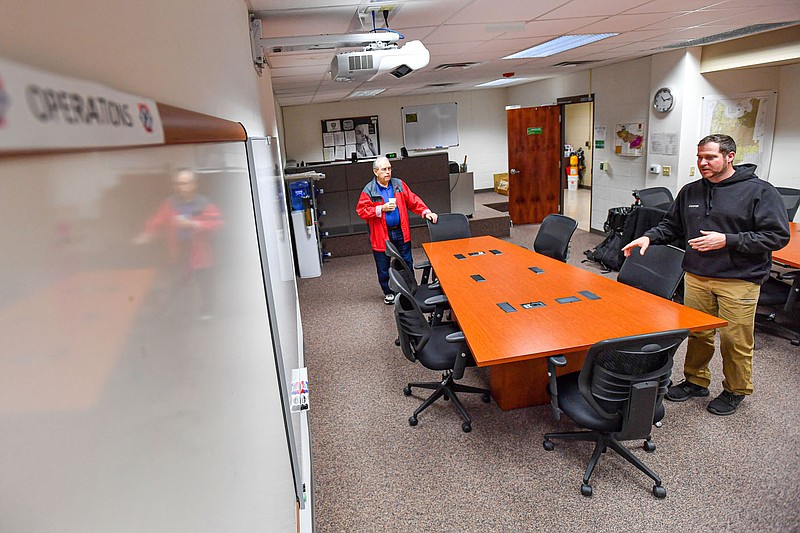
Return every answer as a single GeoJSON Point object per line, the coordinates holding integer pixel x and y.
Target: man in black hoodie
{"type": "Point", "coordinates": [731, 222]}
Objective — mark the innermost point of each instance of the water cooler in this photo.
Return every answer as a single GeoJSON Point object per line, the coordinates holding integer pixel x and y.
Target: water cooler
{"type": "Point", "coordinates": [305, 230]}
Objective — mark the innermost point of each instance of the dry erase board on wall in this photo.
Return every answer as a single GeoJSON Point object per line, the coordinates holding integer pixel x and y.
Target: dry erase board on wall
{"type": "Point", "coordinates": [428, 127]}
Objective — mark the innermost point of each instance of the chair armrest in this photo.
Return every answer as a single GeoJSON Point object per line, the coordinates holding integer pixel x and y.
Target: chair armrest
{"type": "Point", "coordinates": [462, 357]}
{"type": "Point", "coordinates": [440, 300]}
{"type": "Point", "coordinates": [552, 362]}
{"type": "Point", "coordinates": [425, 266]}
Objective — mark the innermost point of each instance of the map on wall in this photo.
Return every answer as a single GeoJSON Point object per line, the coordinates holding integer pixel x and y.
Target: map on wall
{"type": "Point", "coordinates": [629, 139]}
{"type": "Point", "coordinates": [749, 119]}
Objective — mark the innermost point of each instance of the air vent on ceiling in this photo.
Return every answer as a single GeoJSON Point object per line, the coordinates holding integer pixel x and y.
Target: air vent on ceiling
{"type": "Point", "coordinates": [360, 62]}
{"type": "Point", "coordinates": [439, 85]}
{"type": "Point", "coordinates": [465, 64]}
{"type": "Point", "coordinates": [741, 32]}
{"type": "Point", "coordinates": [573, 63]}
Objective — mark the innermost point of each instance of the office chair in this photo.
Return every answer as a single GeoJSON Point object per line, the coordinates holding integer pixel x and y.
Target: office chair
{"type": "Point", "coordinates": [441, 347]}
{"type": "Point", "coordinates": [780, 298]}
{"type": "Point", "coordinates": [659, 271]}
{"type": "Point", "coordinates": [658, 197]}
{"type": "Point", "coordinates": [617, 395]}
{"type": "Point", "coordinates": [430, 299]}
{"type": "Point", "coordinates": [791, 199]}
{"type": "Point", "coordinates": [448, 226]}
{"type": "Point", "coordinates": [554, 235]}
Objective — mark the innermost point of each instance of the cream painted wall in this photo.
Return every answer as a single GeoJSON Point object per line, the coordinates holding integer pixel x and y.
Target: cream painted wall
{"type": "Point", "coordinates": [173, 52]}
{"type": "Point", "coordinates": [481, 128]}
{"type": "Point", "coordinates": [194, 55]}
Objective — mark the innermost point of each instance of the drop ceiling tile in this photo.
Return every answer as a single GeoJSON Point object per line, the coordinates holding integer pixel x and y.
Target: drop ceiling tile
{"type": "Point", "coordinates": [483, 11]}
{"type": "Point", "coordinates": [592, 8]}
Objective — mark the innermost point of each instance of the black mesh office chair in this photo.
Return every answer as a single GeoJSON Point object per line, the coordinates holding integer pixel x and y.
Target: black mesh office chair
{"type": "Point", "coordinates": [791, 199]}
{"type": "Point", "coordinates": [782, 300]}
{"type": "Point", "coordinates": [554, 235]}
{"type": "Point", "coordinates": [617, 395]}
{"type": "Point", "coordinates": [430, 299]}
{"type": "Point", "coordinates": [448, 226]}
{"type": "Point", "coordinates": [659, 271]}
{"type": "Point", "coordinates": [442, 348]}
{"type": "Point", "coordinates": [658, 197]}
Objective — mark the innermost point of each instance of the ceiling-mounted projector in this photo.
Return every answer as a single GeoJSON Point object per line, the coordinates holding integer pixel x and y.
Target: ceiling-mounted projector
{"type": "Point", "coordinates": [369, 63]}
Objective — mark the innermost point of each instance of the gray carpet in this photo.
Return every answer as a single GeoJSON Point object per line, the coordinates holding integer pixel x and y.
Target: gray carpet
{"type": "Point", "coordinates": [373, 472]}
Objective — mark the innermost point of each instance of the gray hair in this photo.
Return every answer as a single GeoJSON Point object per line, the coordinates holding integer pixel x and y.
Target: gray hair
{"type": "Point", "coordinates": [380, 161]}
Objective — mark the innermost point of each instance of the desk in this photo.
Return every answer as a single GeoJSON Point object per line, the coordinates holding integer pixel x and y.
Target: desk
{"type": "Point", "coordinates": [790, 254]}
{"type": "Point", "coordinates": [515, 344]}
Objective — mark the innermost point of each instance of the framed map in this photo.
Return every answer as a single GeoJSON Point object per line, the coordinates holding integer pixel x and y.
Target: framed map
{"type": "Point", "coordinates": [750, 119]}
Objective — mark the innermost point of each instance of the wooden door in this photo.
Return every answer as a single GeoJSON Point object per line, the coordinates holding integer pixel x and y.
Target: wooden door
{"type": "Point", "coordinates": [534, 155]}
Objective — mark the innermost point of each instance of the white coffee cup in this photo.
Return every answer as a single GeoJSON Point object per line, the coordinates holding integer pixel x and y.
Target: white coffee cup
{"type": "Point", "coordinates": [392, 202]}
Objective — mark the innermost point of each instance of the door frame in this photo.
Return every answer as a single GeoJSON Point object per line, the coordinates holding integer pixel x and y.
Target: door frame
{"type": "Point", "coordinates": [563, 102]}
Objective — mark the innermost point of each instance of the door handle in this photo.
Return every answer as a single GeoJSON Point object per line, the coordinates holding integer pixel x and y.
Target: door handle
{"type": "Point", "coordinates": [514, 171]}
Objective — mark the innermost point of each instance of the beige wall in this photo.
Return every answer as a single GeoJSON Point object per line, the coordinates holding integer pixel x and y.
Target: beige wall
{"type": "Point", "coordinates": [578, 133]}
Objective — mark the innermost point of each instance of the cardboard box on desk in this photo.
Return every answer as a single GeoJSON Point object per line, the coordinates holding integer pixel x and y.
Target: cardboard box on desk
{"type": "Point", "coordinates": [501, 183]}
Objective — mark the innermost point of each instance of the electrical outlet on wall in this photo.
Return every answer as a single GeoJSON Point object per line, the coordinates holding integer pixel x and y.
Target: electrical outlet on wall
{"type": "Point", "coordinates": [691, 170]}
{"type": "Point", "coordinates": [666, 170]}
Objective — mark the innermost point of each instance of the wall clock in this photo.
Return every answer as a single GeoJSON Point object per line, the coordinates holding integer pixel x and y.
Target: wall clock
{"type": "Point", "coordinates": [663, 101]}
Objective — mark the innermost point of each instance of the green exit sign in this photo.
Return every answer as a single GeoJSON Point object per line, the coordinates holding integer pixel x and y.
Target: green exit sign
{"type": "Point", "coordinates": [534, 131]}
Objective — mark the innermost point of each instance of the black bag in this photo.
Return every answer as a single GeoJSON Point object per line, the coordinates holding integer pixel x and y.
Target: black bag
{"type": "Point", "coordinates": [616, 218]}
{"type": "Point", "coordinates": [608, 253]}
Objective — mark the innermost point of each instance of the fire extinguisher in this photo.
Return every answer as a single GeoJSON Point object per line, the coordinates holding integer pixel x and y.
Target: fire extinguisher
{"type": "Point", "coordinates": [572, 169]}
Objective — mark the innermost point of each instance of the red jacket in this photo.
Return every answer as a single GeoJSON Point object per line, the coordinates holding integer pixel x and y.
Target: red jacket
{"type": "Point", "coordinates": [208, 218]}
{"type": "Point", "coordinates": [369, 204]}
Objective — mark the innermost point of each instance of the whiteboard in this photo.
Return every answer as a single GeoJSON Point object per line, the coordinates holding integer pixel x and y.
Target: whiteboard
{"type": "Point", "coordinates": [428, 127]}
{"type": "Point", "coordinates": [136, 394]}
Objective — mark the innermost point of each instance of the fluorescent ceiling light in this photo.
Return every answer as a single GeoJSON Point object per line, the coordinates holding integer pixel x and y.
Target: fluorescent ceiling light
{"type": "Point", "coordinates": [560, 44]}
{"type": "Point", "coordinates": [365, 93]}
{"type": "Point", "coordinates": [502, 81]}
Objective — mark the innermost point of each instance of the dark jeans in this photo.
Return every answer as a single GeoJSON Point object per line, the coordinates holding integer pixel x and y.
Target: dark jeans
{"type": "Point", "coordinates": [382, 260]}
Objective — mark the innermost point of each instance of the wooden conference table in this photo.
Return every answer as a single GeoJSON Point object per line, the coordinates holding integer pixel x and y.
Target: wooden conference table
{"type": "Point", "coordinates": [515, 344]}
{"type": "Point", "coordinates": [790, 254]}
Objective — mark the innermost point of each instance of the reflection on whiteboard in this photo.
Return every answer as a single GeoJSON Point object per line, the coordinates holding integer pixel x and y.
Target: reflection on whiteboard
{"type": "Point", "coordinates": [428, 127]}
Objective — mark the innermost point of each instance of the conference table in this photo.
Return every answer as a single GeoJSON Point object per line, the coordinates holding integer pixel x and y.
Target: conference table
{"type": "Point", "coordinates": [790, 254]}
{"type": "Point", "coordinates": [517, 307]}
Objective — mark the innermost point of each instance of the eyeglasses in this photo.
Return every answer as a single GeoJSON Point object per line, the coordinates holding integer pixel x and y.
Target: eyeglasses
{"type": "Point", "coordinates": [385, 169]}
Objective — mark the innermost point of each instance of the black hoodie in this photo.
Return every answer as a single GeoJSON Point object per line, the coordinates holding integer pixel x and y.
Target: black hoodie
{"type": "Point", "coordinates": [748, 210]}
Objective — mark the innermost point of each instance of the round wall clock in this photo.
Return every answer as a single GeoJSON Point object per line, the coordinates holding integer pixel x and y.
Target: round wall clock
{"type": "Point", "coordinates": [663, 100]}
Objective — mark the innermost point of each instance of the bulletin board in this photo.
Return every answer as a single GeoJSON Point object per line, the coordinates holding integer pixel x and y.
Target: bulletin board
{"type": "Point", "coordinates": [343, 137]}
{"type": "Point", "coordinates": [430, 127]}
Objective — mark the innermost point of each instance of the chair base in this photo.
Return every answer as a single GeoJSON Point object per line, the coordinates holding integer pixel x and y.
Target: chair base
{"type": "Point", "coordinates": [604, 441]}
{"type": "Point", "coordinates": [446, 388]}
{"type": "Point", "coordinates": [767, 323]}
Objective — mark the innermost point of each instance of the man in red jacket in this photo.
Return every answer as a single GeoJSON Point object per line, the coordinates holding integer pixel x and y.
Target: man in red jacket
{"type": "Point", "coordinates": [384, 204]}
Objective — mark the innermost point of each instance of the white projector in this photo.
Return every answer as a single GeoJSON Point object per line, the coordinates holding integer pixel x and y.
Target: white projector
{"type": "Point", "coordinates": [367, 64]}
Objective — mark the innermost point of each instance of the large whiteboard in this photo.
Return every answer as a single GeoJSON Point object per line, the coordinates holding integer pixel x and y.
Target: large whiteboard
{"type": "Point", "coordinates": [428, 127]}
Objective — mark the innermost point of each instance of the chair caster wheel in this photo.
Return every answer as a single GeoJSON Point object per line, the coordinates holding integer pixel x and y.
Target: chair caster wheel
{"type": "Point", "coordinates": [548, 445]}
{"type": "Point", "coordinates": [466, 427]}
{"type": "Point", "coordinates": [407, 390]}
{"type": "Point", "coordinates": [659, 424]}
{"type": "Point", "coordinates": [659, 492]}
{"type": "Point", "coordinates": [397, 342]}
{"type": "Point", "coordinates": [412, 421]}
{"type": "Point", "coordinates": [586, 489]}
{"type": "Point", "coordinates": [796, 342]}
{"type": "Point", "coordinates": [486, 398]}
{"type": "Point", "coordinates": [648, 446]}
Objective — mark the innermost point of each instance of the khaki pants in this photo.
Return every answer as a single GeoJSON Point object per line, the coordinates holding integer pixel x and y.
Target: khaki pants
{"type": "Point", "coordinates": [732, 300]}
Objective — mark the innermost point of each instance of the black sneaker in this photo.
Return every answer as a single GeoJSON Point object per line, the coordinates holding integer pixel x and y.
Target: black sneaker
{"type": "Point", "coordinates": [725, 404]}
{"type": "Point", "coordinates": [685, 390]}
{"type": "Point", "coordinates": [388, 299]}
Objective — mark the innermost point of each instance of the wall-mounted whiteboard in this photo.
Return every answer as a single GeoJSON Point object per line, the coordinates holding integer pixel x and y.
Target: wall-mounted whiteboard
{"type": "Point", "coordinates": [428, 127]}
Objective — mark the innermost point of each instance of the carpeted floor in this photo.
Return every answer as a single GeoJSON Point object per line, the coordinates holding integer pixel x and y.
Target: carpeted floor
{"type": "Point", "coordinates": [373, 472]}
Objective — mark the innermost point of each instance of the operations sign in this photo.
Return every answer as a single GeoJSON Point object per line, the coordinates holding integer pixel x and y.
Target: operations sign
{"type": "Point", "coordinates": [39, 110]}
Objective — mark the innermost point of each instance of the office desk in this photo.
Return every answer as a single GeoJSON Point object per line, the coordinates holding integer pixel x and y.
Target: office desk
{"type": "Point", "coordinates": [514, 344]}
{"type": "Point", "coordinates": [790, 254]}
